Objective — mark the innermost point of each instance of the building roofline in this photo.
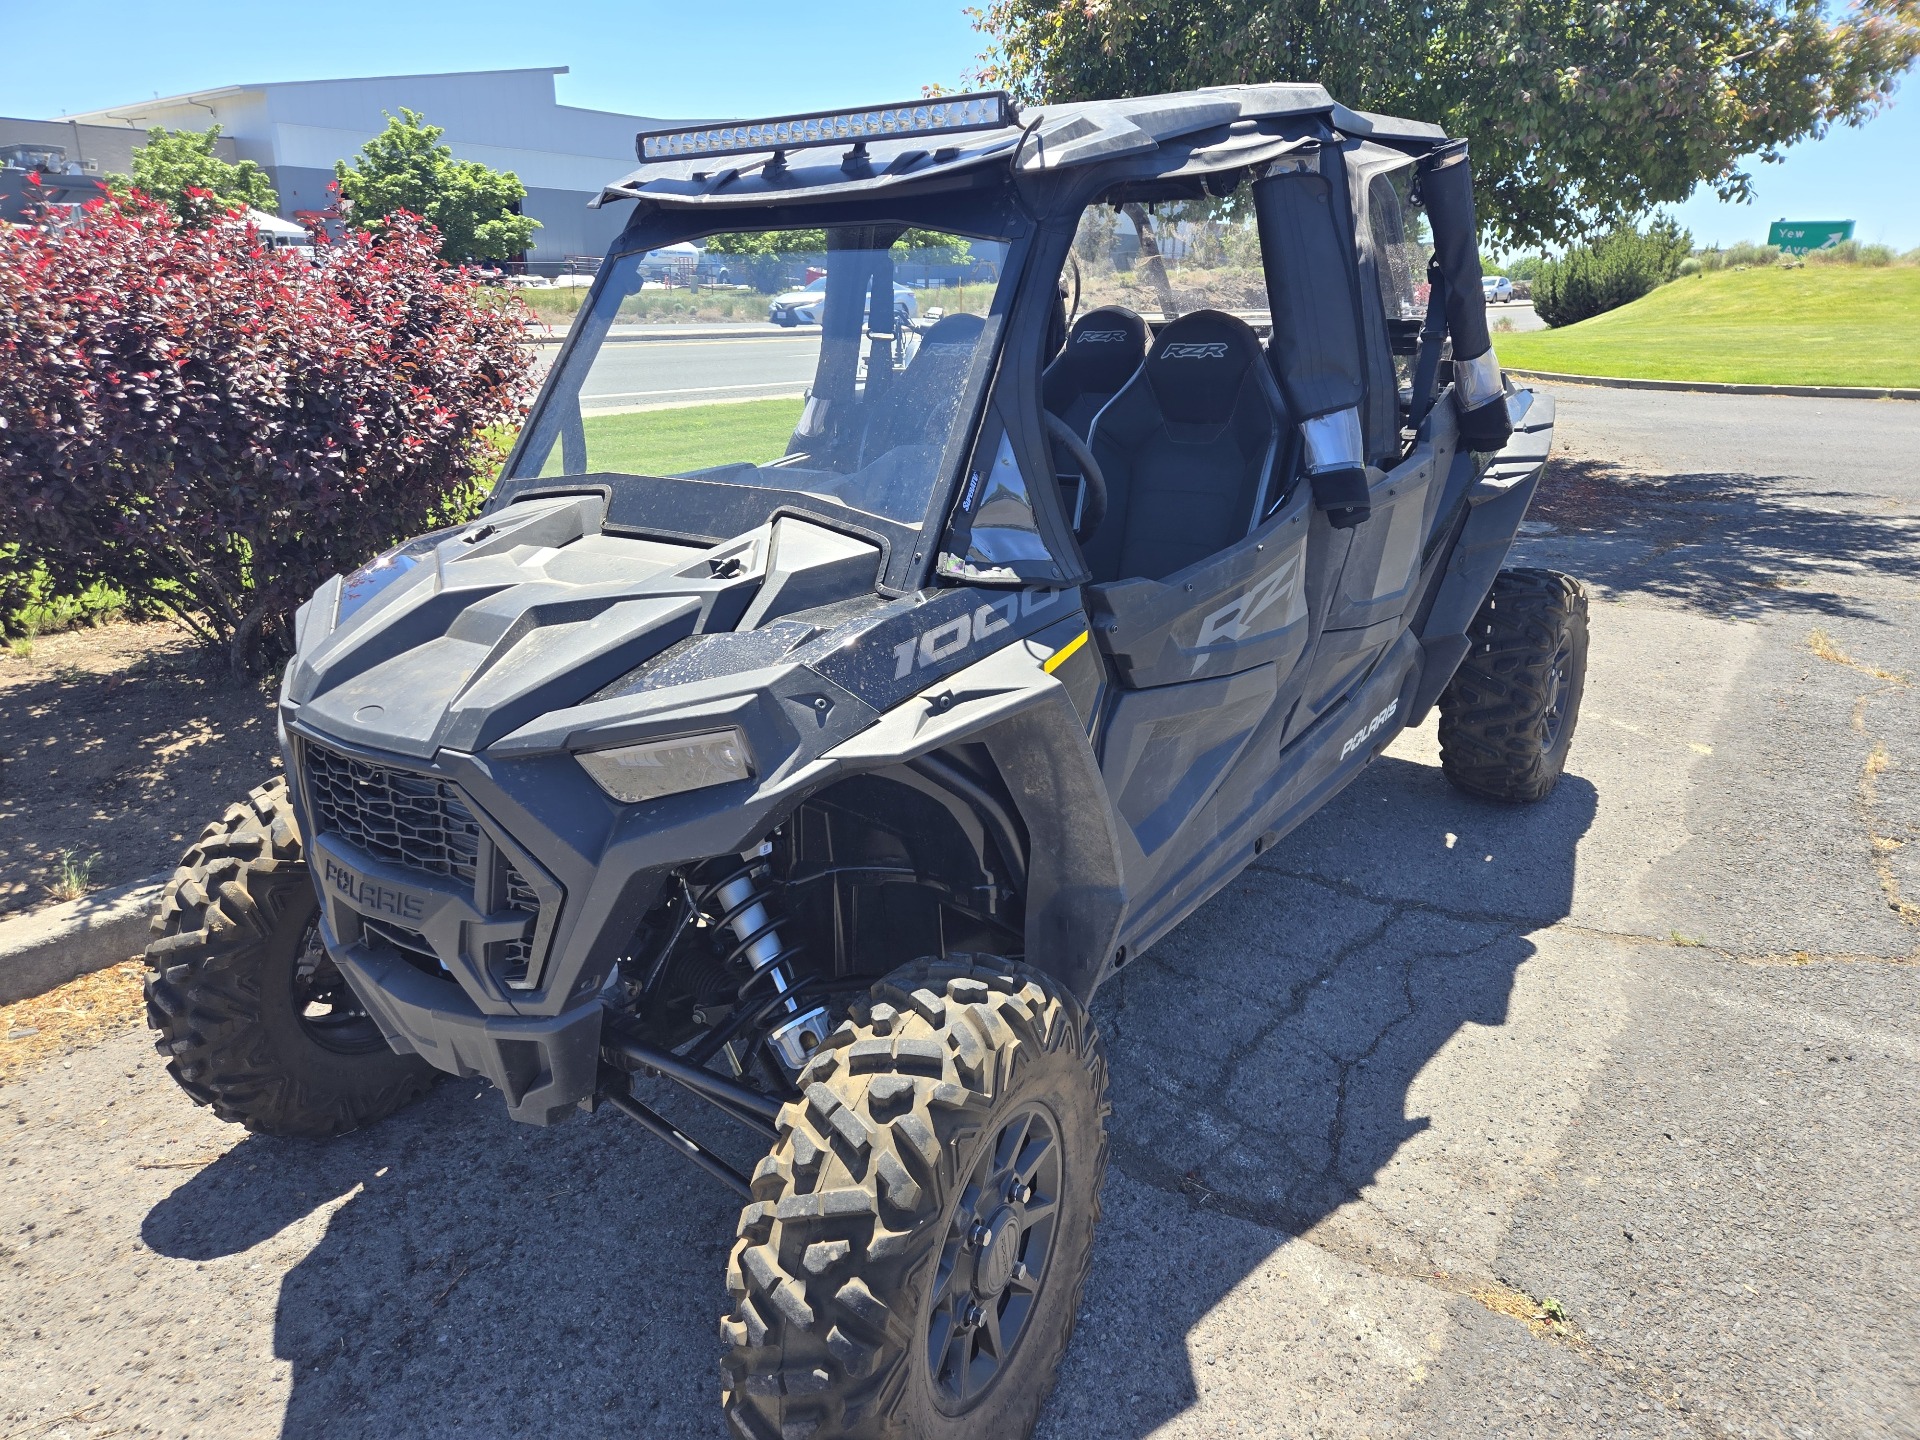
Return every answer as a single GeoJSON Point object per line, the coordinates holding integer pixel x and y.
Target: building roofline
{"type": "Point", "coordinates": [108, 115]}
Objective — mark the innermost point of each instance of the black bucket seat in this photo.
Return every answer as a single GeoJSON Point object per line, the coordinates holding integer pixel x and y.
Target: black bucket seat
{"type": "Point", "coordinates": [1191, 449]}
{"type": "Point", "coordinates": [1103, 350]}
{"type": "Point", "coordinates": [918, 406]}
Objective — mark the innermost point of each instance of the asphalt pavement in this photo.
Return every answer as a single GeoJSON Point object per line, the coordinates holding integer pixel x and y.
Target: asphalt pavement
{"type": "Point", "coordinates": [1649, 1050]}
{"type": "Point", "coordinates": [635, 371]}
{"type": "Point", "coordinates": [1517, 313]}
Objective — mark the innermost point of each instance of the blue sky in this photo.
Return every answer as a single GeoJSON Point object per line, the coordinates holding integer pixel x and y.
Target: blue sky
{"type": "Point", "coordinates": [743, 57]}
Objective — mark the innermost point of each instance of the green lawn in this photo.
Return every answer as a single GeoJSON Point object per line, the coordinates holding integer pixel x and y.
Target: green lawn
{"type": "Point", "coordinates": [1834, 325]}
{"type": "Point", "coordinates": [667, 442]}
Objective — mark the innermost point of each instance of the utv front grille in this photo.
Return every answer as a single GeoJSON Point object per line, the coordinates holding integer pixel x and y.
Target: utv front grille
{"type": "Point", "coordinates": [421, 823]}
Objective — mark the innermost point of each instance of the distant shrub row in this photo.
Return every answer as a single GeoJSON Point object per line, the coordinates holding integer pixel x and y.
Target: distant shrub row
{"type": "Point", "coordinates": [1848, 252]}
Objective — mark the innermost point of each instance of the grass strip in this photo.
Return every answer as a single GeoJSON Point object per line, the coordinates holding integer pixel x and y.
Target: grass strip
{"type": "Point", "coordinates": [688, 437]}
{"type": "Point", "coordinates": [1817, 326]}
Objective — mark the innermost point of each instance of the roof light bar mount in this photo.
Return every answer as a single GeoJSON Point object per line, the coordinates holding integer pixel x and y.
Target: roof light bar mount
{"type": "Point", "coordinates": [942, 115]}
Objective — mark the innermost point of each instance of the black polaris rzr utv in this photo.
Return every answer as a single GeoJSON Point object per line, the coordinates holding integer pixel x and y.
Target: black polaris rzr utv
{"type": "Point", "coordinates": [813, 720]}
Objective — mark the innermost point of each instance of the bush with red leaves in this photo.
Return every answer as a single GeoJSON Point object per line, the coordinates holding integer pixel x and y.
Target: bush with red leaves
{"type": "Point", "coordinates": [215, 427]}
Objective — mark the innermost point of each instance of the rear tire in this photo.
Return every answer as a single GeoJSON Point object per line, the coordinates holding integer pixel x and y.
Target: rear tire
{"type": "Point", "coordinates": [962, 1107]}
{"type": "Point", "coordinates": [254, 1019]}
{"type": "Point", "coordinates": [1507, 717]}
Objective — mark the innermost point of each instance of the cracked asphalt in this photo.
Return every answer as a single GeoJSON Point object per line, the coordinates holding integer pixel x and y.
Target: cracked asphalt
{"type": "Point", "coordinates": [1649, 1050]}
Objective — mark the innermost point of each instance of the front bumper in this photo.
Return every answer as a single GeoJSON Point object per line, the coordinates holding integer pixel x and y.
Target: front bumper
{"type": "Point", "coordinates": [542, 1064]}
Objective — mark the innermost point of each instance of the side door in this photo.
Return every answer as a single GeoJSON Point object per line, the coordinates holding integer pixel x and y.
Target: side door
{"type": "Point", "coordinates": [1203, 659]}
{"type": "Point", "coordinates": [1376, 584]}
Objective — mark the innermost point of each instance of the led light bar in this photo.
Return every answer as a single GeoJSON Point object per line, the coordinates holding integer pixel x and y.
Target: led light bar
{"type": "Point", "coordinates": [989, 110]}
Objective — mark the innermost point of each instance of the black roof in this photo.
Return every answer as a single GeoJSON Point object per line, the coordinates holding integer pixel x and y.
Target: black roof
{"type": "Point", "coordinates": [1047, 137]}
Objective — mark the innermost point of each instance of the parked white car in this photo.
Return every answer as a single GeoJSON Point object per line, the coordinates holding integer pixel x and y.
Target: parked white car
{"type": "Point", "coordinates": [802, 307]}
{"type": "Point", "coordinates": [1497, 288]}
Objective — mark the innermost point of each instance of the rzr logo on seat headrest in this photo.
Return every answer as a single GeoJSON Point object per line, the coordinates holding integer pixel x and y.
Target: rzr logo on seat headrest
{"type": "Point", "coordinates": [1102, 337]}
{"type": "Point", "coordinates": [1211, 350]}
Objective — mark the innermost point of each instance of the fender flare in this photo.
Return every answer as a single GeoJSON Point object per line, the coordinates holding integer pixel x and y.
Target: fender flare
{"type": "Point", "coordinates": [1076, 895]}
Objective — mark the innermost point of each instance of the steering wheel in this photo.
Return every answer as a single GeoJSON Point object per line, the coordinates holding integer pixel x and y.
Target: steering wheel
{"type": "Point", "coordinates": [1093, 508]}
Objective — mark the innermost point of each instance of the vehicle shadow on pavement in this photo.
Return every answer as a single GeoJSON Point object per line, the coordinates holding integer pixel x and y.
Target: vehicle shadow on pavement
{"type": "Point", "coordinates": [473, 1277]}
{"type": "Point", "coordinates": [1265, 1059]}
{"type": "Point", "coordinates": [470, 1276]}
{"type": "Point", "coordinates": [1735, 546]}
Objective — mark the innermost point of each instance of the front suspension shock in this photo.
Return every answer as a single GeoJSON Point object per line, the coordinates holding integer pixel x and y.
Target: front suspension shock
{"type": "Point", "coordinates": [747, 902]}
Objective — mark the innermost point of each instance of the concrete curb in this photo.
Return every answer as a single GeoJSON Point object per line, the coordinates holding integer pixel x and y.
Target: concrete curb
{"type": "Point", "coordinates": [1721, 387]}
{"type": "Point", "coordinates": [49, 947]}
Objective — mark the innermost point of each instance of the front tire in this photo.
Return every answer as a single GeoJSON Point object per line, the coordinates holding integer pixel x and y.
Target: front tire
{"type": "Point", "coordinates": [917, 1246]}
{"type": "Point", "coordinates": [1508, 715]}
{"type": "Point", "coordinates": [254, 1019]}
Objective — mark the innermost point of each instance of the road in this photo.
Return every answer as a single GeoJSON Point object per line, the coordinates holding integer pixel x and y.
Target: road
{"type": "Point", "coordinates": [761, 363]}
{"type": "Point", "coordinates": [1518, 315]}
{"type": "Point", "coordinates": [693, 371]}
{"type": "Point", "coordinates": [1650, 1049]}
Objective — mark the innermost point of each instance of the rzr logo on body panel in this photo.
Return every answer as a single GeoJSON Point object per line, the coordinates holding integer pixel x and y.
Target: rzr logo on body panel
{"type": "Point", "coordinates": [1233, 621]}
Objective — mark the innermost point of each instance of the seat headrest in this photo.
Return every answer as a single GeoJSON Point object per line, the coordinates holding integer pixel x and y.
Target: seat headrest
{"type": "Point", "coordinates": [1197, 365]}
{"type": "Point", "coordinates": [1103, 350]}
{"type": "Point", "coordinates": [954, 330]}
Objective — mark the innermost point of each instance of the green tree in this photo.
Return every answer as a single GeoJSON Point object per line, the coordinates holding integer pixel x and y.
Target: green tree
{"type": "Point", "coordinates": [1578, 114]}
{"type": "Point", "coordinates": [1614, 270]}
{"type": "Point", "coordinates": [765, 255]}
{"type": "Point", "coordinates": [929, 244]}
{"type": "Point", "coordinates": [405, 167]}
{"type": "Point", "coordinates": [1526, 267]}
{"type": "Point", "coordinates": [175, 162]}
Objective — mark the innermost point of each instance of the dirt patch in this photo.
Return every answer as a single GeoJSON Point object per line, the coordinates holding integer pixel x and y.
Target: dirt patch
{"type": "Point", "coordinates": [1543, 1317]}
{"type": "Point", "coordinates": [116, 746]}
{"type": "Point", "coordinates": [77, 1013]}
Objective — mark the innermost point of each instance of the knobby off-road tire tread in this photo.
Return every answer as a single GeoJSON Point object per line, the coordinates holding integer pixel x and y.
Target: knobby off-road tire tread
{"type": "Point", "coordinates": [896, 1100]}
{"type": "Point", "coordinates": [1493, 712]}
{"type": "Point", "coordinates": [213, 973]}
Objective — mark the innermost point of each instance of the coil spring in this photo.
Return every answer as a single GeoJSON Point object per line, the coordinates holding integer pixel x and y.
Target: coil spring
{"type": "Point", "coordinates": [761, 893]}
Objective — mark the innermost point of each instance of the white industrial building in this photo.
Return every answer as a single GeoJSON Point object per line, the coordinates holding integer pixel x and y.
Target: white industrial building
{"type": "Point", "coordinates": [506, 119]}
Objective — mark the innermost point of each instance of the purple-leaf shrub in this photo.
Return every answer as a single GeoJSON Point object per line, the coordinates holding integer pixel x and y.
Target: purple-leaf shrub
{"type": "Point", "coordinates": [216, 427]}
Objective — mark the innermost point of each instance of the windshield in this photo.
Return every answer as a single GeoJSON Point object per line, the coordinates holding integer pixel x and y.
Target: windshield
{"type": "Point", "coordinates": [834, 363]}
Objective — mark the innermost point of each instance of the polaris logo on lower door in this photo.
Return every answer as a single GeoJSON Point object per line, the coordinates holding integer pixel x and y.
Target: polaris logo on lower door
{"type": "Point", "coordinates": [932, 647]}
{"type": "Point", "coordinates": [1210, 350]}
{"type": "Point", "coordinates": [1372, 728]}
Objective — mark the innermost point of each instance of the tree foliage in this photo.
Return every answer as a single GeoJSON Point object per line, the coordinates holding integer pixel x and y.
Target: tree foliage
{"type": "Point", "coordinates": [766, 256]}
{"type": "Point", "coordinates": [1619, 267]}
{"type": "Point", "coordinates": [406, 168]}
{"type": "Point", "coordinates": [1578, 114]}
{"type": "Point", "coordinates": [180, 170]}
{"type": "Point", "coordinates": [214, 428]}
{"type": "Point", "coordinates": [934, 245]}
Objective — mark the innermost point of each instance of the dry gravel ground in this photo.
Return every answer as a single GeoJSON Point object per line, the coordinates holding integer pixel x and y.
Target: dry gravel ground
{"type": "Point", "coordinates": [1649, 1050]}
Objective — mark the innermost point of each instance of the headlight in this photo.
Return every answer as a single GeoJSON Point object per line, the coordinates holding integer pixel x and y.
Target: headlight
{"type": "Point", "coordinates": [653, 768]}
